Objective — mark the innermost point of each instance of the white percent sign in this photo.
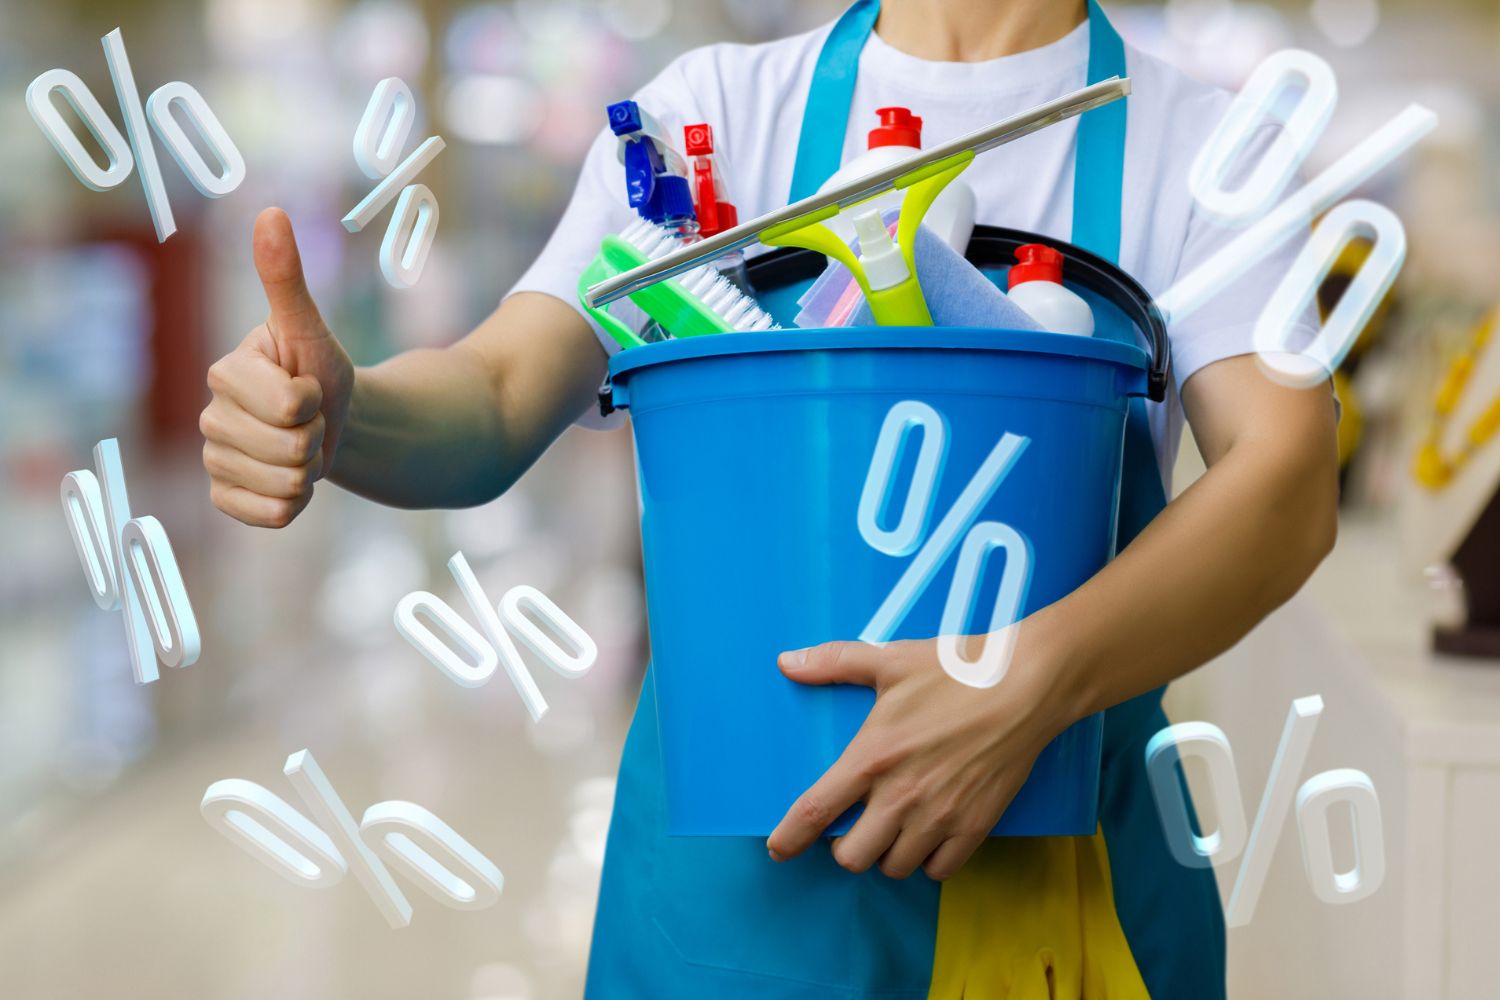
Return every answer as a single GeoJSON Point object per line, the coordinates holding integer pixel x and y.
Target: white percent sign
{"type": "Point", "coordinates": [442, 864]}
{"type": "Point", "coordinates": [1252, 202]}
{"type": "Point", "coordinates": [136, 153]}
{"type": "Point", "coordinates": [904, 419]}
{"type": "Point", "coordinates": [478, 655]}
{"type": "Point", "coordinates": [129, 565]}
{"type": "Point", "coordinates": [1314, 800]}
{"type": "Point", "coordinates": [382, 131]}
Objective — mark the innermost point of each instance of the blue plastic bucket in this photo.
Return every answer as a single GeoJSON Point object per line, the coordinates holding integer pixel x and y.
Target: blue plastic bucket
{"type": "Point", "coordinates": [752, 451]}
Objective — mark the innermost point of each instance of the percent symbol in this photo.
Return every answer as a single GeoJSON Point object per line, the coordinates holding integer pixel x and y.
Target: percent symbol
{"type": "Point", "coordinates": [958, 524]}
{"type": "Point", "coordinates": [137, 152]}
{"type": "Point", "coordinates": [1315, 798]}
{"type": "Point", "coordinates": [443, 864]}
{"type": "Point", "coordinates": [1250, 205]}
{"type": "Point", "coordinates": [478, 655]}
{"type": "Point", "coordinates": [129, 565]}
{"type": "Point", "coordinates": [382, 131]}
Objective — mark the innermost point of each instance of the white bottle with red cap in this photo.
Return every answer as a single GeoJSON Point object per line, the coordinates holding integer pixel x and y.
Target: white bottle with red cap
{"type": "Point", "coordinates": [1036, 286]}
{"type": "Point", "coordinates": [897, 138]}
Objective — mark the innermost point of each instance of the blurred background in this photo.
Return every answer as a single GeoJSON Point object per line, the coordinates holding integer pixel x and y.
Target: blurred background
{"type": "Point", "coordinates": [105, 333]}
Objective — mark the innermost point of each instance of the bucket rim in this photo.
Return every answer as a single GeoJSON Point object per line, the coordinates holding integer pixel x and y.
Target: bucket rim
{"type": "Point", "coordinates": [881, 337]}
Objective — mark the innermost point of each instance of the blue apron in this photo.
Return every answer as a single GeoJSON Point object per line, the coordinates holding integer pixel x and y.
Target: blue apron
{"type": "Point", "coordinates": [689, 918]}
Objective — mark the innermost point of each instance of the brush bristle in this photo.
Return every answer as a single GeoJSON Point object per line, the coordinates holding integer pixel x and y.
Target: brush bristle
{"type": "Point", "coordinates": [705, 283]}
{"type": "Point", "coordinates": [650, 239]}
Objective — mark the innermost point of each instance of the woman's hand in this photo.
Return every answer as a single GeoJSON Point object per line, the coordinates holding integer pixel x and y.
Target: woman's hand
{"type": "Point", "coordinates": [279, 399]}
{"type": "Point", "coordinates": [936, 762]}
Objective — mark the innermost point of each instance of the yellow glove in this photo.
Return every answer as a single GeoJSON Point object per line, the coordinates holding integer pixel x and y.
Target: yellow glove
{"type": "Point", "coordinates": [1033, 918]}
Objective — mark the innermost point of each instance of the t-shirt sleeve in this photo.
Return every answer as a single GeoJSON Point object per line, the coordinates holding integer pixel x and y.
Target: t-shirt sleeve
{"type": "Point", "coordinates": [599, 205]}
{"type": "Point", "coordinates": [1223, 326]}
{"type": "Point", "coordinates": [596, 209]}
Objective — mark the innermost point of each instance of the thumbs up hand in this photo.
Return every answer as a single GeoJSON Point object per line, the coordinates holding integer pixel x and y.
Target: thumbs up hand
{"type": "Point", "coordinates": [279, 398]}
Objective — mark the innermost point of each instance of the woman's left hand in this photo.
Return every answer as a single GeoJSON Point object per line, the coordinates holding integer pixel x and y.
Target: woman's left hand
{"type": "Point", "coordinates": [936, 761]}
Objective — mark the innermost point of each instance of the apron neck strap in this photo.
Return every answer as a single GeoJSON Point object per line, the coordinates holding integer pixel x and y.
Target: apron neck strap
{"type": "Point", "coordinates": [1099, 159]}
{"type": "Point", "coordinates": [820, 148]}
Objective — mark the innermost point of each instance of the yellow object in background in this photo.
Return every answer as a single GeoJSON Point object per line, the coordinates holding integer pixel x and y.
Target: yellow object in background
{"type": "Point", "coordinates": [1033, 918]}
{"type": "Point", "coordinates": [1351, 417]}
{"type": "Point", "coordinates": [1431, 467]}
{"type": "Point", "coordinates": [1340, 275]}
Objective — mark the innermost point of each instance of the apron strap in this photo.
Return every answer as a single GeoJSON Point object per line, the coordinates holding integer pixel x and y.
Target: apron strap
{"type": "Point", "coordinates": [820, 149]}
{"type": "Point", "coordinates": [1098, 197]}
{"type": "Point", "coordinates": [1099, 159]}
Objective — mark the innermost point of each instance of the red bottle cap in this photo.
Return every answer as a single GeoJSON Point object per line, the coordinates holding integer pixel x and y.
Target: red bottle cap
{"type": "Point", "coordinates": [898, 127]}
{"type": "Point", "coordinates": [699, 140]}
{"type": "Point", "coordinates": [1036, 262]}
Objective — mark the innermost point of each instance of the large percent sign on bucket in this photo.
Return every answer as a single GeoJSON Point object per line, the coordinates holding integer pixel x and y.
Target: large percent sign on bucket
{"type": "Point", "coordinates": [442, 864]}
{"type": "Point", "coordinates": [137, 153]}
{"type": "Point", "coordinates": [1316, 797]}
{"type": "Point", "coordinates": [474, 661]}
{"type": "Point", "coordinates": [129, 565]}
{"type": "Point", "coordinates": [930, 549]}
{"type": "Point", "coordinates": [382, 131]}
{"type": "Point", "coordinates": [1252, 202]}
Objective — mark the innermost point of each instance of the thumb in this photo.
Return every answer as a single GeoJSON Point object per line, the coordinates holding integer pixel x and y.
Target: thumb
{"type": "Point", "coordinates": [834, 663]}
{"type": "Point", "coordinates": [294, 315]}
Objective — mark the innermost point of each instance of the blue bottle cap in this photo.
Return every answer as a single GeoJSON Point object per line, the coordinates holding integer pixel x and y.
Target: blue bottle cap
{"type": "Point", "coordinates": [676, 199]}
{"type": "Point", "coordinates": [624, 117]}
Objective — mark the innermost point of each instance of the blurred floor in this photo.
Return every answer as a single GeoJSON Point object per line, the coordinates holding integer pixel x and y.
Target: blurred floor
{"type": "Point", "coordinates": [299, 651]}
{"type": "Point", "coordinates": [165, 907]}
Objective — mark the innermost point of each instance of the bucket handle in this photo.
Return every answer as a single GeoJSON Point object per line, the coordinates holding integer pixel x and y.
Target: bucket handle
{"type": "Point", "coordinates": [995, 245]}
{"type": "Point", "coordinates": [607, 397]}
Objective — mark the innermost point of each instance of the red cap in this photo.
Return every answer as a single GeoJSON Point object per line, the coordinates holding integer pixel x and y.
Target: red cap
{"type": "Point", "coordinates": [699, 140]}
{"type": "Point", "coordinates": [898, 127]}
{"type": "Point", "coordinates": [1036, 262]}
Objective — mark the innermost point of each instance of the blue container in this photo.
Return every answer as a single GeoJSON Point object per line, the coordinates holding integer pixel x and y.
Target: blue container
{"type": "Point", "coordinates": [752, 451]}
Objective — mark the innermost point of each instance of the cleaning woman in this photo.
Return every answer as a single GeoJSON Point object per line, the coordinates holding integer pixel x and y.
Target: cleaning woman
{"type": "Point", "coordinates": [914, 901]}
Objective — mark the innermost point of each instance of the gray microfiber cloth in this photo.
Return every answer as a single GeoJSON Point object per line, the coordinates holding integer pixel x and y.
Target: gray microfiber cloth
{"type": "Point", "coordinates": [957, 293]}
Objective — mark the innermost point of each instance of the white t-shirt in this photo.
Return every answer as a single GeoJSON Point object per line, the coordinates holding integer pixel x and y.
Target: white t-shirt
{"type": "Point", "coordinates": [753, 96]}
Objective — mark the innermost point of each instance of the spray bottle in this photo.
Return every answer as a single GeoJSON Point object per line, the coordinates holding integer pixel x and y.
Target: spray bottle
{"type": "Point", "coordinates": [656, 182]}
{"type": "Point", "coordinates": [716, 212]}
{"type": "Point", "coordinates": [656, 176]}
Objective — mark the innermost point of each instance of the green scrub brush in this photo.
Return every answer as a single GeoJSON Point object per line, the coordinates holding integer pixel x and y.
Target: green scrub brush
{"type": "Point", "coordinates": [693, 303]}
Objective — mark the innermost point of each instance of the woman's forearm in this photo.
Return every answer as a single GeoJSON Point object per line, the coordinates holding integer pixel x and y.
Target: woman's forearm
{"type": "Point", "coordinates": [455, 427]}
{"type": "Point", "coordinates": [417, 429]}
{"type": "Point", "coordinates": [1231, 549]}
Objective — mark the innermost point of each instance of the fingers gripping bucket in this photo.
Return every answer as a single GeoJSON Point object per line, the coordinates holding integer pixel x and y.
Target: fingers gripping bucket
{"type": "Point", "coordinates": [752, 452]}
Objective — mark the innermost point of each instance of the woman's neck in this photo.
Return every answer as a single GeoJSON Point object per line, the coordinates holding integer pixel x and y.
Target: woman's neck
{"type": "Point", "coordinates": [975, 30]}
